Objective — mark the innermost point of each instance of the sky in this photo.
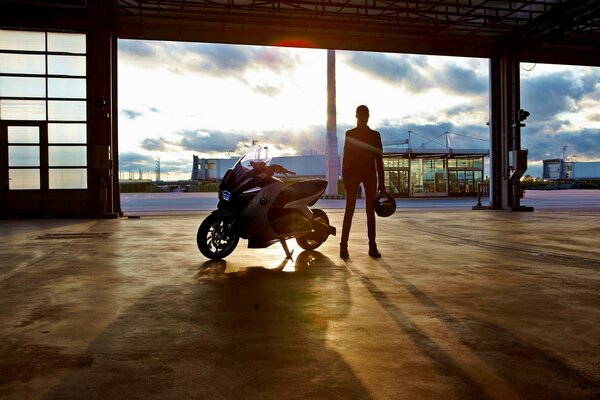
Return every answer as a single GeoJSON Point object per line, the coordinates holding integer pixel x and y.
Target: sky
{"type": "Point", "coordinates": [177, 99]}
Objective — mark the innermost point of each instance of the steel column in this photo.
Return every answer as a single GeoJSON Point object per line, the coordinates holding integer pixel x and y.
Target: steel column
{"type": "Point", "coordinates": [102, 136]}
{"type": "Point", "coordinates": [505, 131]}
{"type": "Point", "coordinates": [495, 123]}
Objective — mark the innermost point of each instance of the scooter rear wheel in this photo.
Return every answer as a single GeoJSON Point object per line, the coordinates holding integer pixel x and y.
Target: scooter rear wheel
{"type": "Point", "coordinates": [217, 237]}
{"type": "Point", "coordinates": [315, 237]}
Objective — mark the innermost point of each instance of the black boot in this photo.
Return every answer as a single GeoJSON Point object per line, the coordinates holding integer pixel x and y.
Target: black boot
{"type": "Point", "coordinates": [373, 252]}
{"type": "Point", "coordinates": [344, 251]}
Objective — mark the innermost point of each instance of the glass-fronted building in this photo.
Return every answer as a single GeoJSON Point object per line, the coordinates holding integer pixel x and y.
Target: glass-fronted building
{"type": "Point", "coordinates": [432, 172]}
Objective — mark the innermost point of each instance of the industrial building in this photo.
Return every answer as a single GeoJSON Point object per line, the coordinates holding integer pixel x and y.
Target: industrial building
{"type": "Point", "coordinates": [463, 304]}
{"type": "Point", "coordinates": [407, 172]}
{"type": "Point", "coordinates": [215, 168]}
{"type": "Point", "coordinates": [558, 169]}
{"type": "Point", "coordinates": [431, 173]}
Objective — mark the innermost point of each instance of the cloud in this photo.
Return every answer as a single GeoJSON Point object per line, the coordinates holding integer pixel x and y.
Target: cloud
{"type": "Point", "coordinates": [207, 141]}
{"type": "Point", "coordinates": [131, 114]}
{"type": "Point", "coordinates": [590, 81]}
{"type": "Point", "coordinates": [180, 166]}
{"type": "Point", "coordinates": [416, 74]}
{"type": "Point", "coordinates": [462, 109]}
{"type": "Point", "coordinates": [594, 117]}
{"type": "Point", "coordinates": [134, 114]}
{"type": "Point", "coordinates": [461, 80]}
{"type": "Point", "coordinates": [545, 96]}
{"type": "Point", "coordinates": [584, 144]}
{"type": "Point", "coordinates": [155, 144]}
{"type": "Point", "coordinates": [267, 90]}
{"type": "Point", "coordinates": [403, 71]}
{"type": "Point", "coordinates": [217, 58]}
{"type": "Point", "coordinates": [136, 161]}
{"type": "Point", "coordinates": [208, 59]}
{"type": "Point", "coordinates": [136, 48]}
{"type": "Point", "coordinates": [309, 140]}
{"type": "Point", "coordinates": [433, 134]}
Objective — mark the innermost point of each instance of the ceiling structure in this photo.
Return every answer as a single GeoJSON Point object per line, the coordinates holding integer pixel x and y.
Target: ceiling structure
{"type": "Point", "coordinates": [554, 31]}
{"type": "Point", "coordinates": [562, 31]}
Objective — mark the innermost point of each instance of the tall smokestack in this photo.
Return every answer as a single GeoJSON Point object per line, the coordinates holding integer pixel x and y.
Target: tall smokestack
{"type": "Point", "coordinates": [195, 168]}
{"type": "Point", "coordinates": [332, 164]}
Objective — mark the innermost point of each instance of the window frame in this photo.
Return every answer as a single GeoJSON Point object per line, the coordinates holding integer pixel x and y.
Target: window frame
{"type": "Point", "coordinates": [44, 145]}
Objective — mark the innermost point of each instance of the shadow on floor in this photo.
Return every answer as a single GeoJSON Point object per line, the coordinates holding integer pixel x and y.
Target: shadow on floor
{"type": "Point", "coordinates": [252, 334]}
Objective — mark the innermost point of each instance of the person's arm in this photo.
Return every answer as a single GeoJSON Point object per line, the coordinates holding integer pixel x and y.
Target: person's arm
{"type": "Point", "coordinates": [379, 163]}
{"type": "Point", "coordinates": [345, 155]}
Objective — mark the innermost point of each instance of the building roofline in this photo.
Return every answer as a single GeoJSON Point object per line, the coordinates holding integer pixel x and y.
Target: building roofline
{"type": "Point", "coordinates": [438, 152]}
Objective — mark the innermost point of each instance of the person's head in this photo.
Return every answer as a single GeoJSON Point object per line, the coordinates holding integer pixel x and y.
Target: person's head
{"type": "Point", "coordinates": [362, 114]}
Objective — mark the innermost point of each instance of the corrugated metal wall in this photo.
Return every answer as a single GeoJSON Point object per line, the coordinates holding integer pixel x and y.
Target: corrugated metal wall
{"type": "Point", "coordinates": [302, 165]}
{"type": "Point", "coordinates": [586, 170]}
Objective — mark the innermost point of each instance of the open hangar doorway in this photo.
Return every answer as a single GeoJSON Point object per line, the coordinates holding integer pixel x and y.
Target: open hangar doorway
{"type": "Point", "coordinates": [252, 94]}
{"type": "Point", "coordinates": [211, 101]}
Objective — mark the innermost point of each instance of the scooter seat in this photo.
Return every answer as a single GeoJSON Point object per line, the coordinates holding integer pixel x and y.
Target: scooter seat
{"type": "Point", "coordinates": [300, 190]}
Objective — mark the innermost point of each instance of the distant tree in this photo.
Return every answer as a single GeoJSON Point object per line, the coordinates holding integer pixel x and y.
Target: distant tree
{"type": "Point", "coordinates": [527, 179]}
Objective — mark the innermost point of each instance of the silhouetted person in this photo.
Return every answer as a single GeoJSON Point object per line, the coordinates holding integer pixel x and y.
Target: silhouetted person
{"type": "Point", "coordinates": [363, 163]}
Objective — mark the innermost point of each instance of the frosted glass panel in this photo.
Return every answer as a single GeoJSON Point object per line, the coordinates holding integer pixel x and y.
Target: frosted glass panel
{"type": "Point", "coordinates": [13, 86]}
{"type": "Point", "coordinates": [20, 40]}
{"type": "Point", "coordinates": [23, 63]}
{"type": "Point", "coordinates": [23, 179]}
{"type": "Point", "coordinates": [68, 178]}
{"type": "Point", "coordinates": [67, 156]}
{"type": "Point", "coordinates": [66, 88]}
{"type": "Point", "coordinates": [23, 156]}
{"type": "Point", "coordinates": [67, 133]}
{"type": "Point", "coordinates": [66, 111]}
{"type": "Point", "coordinates": [23, 134]}
{"type": "Point", "coordinates": [66, 65]}
{"type": "Point", "coordinates": [29, 110]}
{"type": "Point", "coordinates": [66, 42]}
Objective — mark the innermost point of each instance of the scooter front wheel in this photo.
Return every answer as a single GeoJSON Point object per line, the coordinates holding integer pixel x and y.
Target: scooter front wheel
{"type": "Point", "coordinates": [217, 236]}
{"type": "Point", "coordinates": [316, 236]}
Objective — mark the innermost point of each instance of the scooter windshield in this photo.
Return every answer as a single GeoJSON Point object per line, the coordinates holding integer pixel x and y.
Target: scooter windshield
{"type": "Point", "coordinates": [254, 157]}
{"type": "Point", "coordinates": [250, 164]}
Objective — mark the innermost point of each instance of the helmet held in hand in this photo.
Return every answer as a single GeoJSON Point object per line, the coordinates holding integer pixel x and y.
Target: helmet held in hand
{"type": "Point", "coordinates": [385, 205]}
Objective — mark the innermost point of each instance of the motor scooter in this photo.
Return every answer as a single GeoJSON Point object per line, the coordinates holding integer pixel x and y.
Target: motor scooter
{"type": "Point", "coordinates": [255, 205]}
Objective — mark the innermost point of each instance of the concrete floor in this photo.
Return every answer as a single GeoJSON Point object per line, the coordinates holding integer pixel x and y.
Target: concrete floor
{"type": "Point", "coordinates": [463, 305]}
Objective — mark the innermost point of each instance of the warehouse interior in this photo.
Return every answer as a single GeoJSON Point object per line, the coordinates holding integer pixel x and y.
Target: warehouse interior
{"type": "Point", "coordinates": [553, 31]}
{"type": "Point", "coordinates": [474, 304]}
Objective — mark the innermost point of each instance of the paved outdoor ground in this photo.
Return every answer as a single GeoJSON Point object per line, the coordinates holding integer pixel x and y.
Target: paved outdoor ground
{"type": "Point", "coordinates": [540, 199]}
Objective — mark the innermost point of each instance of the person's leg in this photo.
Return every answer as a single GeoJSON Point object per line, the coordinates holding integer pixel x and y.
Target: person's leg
{"type": "Point", "coordinates": [370, 186]}
{"type": "Point", "coordinates": [351, 187]}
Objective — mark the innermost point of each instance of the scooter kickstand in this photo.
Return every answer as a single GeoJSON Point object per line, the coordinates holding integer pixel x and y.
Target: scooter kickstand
{"type": "Point", "coordinates": [288, 253]}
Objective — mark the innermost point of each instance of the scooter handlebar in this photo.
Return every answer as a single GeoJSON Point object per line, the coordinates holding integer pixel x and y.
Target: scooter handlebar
{"type": "Point", "coordinates": [278, 169]}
